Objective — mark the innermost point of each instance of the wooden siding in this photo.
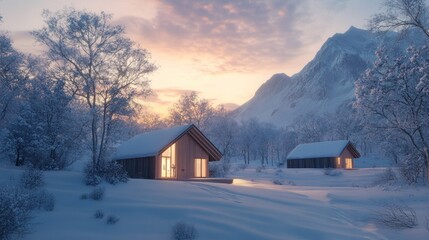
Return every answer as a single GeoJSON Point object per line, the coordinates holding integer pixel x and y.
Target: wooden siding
{"type": "Point", "coordinates": [346, 154]}
{"type": "Point", "coordinates": [187, 150]}
{"type": "Point", "coordinates": [139, 167]}
{"type": "Point", "coordinates": [312, 163]}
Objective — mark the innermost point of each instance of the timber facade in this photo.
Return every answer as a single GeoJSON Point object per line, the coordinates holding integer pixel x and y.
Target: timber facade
{"type": "Point", "coordinates": [183, 154]}
{"type": "Point", "coordinates": [333, 154]}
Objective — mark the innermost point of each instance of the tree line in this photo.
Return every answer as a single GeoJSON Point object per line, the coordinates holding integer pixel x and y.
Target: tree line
{"type": "Point", "coordinates": [79, 95]}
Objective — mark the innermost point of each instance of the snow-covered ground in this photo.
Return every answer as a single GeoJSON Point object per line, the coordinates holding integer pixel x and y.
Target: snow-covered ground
{"type": "Point", "coordinates": [309, 205]}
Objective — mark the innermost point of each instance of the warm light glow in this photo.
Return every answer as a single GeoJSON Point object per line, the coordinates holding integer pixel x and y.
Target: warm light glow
{"type": "Point", "coordinates": [349, 163]}
{"type": "Point", "coordinates": [338, 162]}
{"type": "Point", "coordinates": [168, 162]}
{"type": "Point", "coordinates": [200, 167]}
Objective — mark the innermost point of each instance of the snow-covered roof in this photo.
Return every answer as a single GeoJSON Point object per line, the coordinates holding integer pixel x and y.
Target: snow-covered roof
{"type": "Point", "coordinates": [318, 149]}
{"type": "Point", "coordinates": [148, 144]}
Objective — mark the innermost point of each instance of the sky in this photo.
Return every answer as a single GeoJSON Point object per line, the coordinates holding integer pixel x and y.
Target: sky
{"type": "Point", "coordinates": [222, 49]}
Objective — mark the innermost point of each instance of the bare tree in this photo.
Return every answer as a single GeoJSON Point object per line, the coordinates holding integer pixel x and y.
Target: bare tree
{"type": "Point", "coordinates": [100, 66]}
{"type": "Point", "coordinates": [402, 15]}
{"type": "Point", "coordinates": [191, 109]}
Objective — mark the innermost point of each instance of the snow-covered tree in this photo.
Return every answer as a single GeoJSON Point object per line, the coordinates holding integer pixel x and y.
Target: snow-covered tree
{"type": "Point", "coordinates": [12, 75]}
{"type": "Point", "coordinates": [310, 128]}
{"type": "Point", "coordinates": [393, 96]}
{"type": "Point", "coordinates": [48, 128]}
{"type": "Point", "coordinates": [247, 139]}
{"type": "Point", "coordinates": [100, 66]}
{"type": "Point", "coordinates": [191, 109]}
{"type": "Point", "coordinates": [222, 131]}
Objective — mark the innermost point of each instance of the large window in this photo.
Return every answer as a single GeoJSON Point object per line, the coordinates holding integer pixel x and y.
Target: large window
{"type": "Point", "coordinates": [338, 162]}
{"type": "Point", "coordinates": [349, 163]}
{"type": "Point", "coordinates": [200, 167]}
{"type": "Point", "coordinates": [168, 162]}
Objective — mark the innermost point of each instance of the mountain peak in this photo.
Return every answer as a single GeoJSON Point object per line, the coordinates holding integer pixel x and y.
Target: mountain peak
{"type": "Point", "coordinates": [322, 86]}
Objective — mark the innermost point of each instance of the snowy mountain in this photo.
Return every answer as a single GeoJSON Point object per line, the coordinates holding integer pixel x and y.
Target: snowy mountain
{"type": "Point", "coordinates": [321, 86]}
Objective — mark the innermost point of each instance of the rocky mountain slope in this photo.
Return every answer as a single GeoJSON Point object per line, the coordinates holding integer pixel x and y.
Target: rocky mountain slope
{"type": "Point", "coordinates": [321, 86]}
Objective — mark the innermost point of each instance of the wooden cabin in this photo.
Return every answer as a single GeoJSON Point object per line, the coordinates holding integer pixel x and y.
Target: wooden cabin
{"type": "Point", "coordinates": [329, 154]}
{"type": "Point", "coordinates": [181, 152]}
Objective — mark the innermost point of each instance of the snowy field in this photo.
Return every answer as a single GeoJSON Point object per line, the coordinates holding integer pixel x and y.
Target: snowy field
{"type": "Point", "coordinates": [309, 205]}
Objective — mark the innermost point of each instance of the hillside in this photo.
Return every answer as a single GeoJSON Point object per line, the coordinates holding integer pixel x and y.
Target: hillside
{"type": "Point", "coordinates": [324, 84]}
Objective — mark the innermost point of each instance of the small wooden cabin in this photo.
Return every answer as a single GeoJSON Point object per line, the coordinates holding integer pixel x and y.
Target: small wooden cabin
{"type": "Point", "coordinates": [329, 154]}
{"type": "Point", "coordinates": [175, 153]}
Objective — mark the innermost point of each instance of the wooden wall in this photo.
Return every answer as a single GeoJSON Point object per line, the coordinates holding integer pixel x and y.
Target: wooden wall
{"type": "Point", "coordinates": [312, 163]}
{"type": "Point", "coordinates": [139, 167]}
{"type": "Point", "coordinates": [346, 154]}
{"type": "Point", "coordinates": [187, 149]}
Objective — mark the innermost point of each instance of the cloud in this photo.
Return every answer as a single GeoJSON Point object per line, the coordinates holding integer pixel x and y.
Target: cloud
{"type": "Point", "coordinates": [167, 96]}
{"type": "Point", "coordinates": [228, 35]}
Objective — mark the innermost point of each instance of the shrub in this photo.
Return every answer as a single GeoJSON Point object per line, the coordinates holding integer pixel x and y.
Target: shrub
{"type": "Point", "coordinates": [184, 231]}
{"type": "Point", "coordinates": [396, 214]}
{"type": "Point", "coordinates": [32, 178]}
{"type": "Point", "coordinates": [331, 172]}
{"type": "Point", "coordinates": [15, 211]}
{"type": "Point", "coordinates": [388, 177]}
{"type": "Point", "coordinates": [110, 171]}
{"type": "Point", "coordinates": [278, 182]}
{"type": "Point", "coordinates": [216, 170]}
{"type": "Point", "coordinates": [260, 168]}
{"type": "Point", "coordinates": [97, 193]}
{"type": "Point", "coordinates": [84, 196]}
{"type": "Point", "coordinates": [113, 172]}
{"type": "Point", "coordinates": [411, 168]}
{"type": "Point", "coordinates": [91, 177]}
{"type": "Point", "coordinates": [98, 214]}
{"type": "Point", "coordinates": [112, 219]}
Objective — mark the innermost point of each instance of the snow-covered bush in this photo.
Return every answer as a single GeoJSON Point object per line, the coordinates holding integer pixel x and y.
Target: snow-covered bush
{"type": "Point", "coordinates": [184, 231]}
{"type": "Point", "coordinates": [15, 211]}
{"type": "Point", "coordinates": [111, 219]}
{"type": "Point", "coordinates": [110, 171]}
{"type": "Point", "coordinates": [99, 214]}
{"type": "Point", "coordinates": [216, 170]}
{"type": "Point", "coordinates": [32, 178]}
{"type": "Point", "coordinates": [388, 177]}
{"type": "Point", "coordinates": [97, 193]}
{"type": "Point", "coordinates": [91, 177]}
{"type": "Point", "coordinates": [113, 172]}
{"type": "Point", "coordinates": [396, 214]}
{"type": "Point", "coordinates": [331, 172]}
{"type": "Point", "coordinates": [278, 182]}
{"type": "Point", "coordinates": [259, 169]}
{"type": "Point", "coordinates": [411, 168]}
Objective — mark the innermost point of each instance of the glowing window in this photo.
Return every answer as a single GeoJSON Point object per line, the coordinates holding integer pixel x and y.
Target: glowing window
{"type": "Point", "coordinates": [168, 162]}
{"type": "Point", "coordinates": [200, 167]}
{"type": "Point", "coordinates": [349, 163]}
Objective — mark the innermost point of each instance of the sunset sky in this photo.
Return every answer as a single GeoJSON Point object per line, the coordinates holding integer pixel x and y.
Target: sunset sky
{"type": "Point", "coordinates": [222, 49]}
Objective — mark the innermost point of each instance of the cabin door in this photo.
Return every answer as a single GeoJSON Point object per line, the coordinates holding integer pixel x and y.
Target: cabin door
{"type": "Point", "coordinates": [349, 163]}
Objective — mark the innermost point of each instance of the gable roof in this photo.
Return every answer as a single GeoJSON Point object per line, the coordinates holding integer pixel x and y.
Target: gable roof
{"type": "Point", "coordinates": [154, 142]}
{"type": "Point", "coordinates": [322, 149]}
